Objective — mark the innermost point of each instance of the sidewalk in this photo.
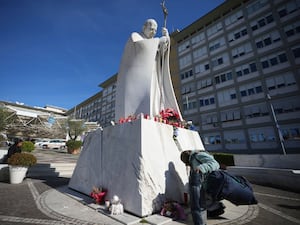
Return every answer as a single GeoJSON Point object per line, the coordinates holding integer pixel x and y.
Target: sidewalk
{"type": "Point", "coordinates": [48, 200]}
{"type": "Point", "coordinates": [68, 202]}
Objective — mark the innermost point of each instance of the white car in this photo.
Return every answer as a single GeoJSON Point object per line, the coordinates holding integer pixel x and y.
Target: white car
{"type": "Point", "coordinates": [54, 143]}
{"type": "Point", "coordinates": [39, 142]}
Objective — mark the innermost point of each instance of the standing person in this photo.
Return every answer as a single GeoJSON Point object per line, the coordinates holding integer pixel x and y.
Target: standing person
{"type": "Point", "coordinates": [201, 164]}
{"type": "Point", "coordinates": [15, 148]}
{"type": "Point", "coordinates": [144, 82]}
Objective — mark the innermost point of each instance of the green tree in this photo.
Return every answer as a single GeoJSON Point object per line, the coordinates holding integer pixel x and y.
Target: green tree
{"type": "Point", "coordinates": [3, 123]}
{"type": "Point", "coordinates": [75, 127]}
{"type": "Point", "coordinates": [3, 116]}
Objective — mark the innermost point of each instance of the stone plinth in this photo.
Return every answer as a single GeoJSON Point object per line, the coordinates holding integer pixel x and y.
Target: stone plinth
{"type": "Point", "coordinates": [138, 161]}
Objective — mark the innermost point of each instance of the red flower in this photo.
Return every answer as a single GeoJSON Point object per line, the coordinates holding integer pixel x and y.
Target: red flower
{"type": "Point", "coordinates": [169, 114]}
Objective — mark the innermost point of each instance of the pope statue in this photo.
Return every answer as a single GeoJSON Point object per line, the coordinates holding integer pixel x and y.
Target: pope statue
{"type": "Point", "coordinates": [144, 83]}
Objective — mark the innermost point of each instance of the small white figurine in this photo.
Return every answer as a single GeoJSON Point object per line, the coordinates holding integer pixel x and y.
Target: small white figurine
{"type": "Point", "coordinates": [116, 207]}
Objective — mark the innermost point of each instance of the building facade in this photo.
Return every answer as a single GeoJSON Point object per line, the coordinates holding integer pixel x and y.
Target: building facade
{"type": "Point", "coordinates": [240, 76]}
{"type": "Point", "coordinates": [100, 107]}
{"type": "Point", "coordinates": [28, 122]}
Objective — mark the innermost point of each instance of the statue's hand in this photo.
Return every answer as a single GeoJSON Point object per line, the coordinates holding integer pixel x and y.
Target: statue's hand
{"type": "Point", "coordinates": [165, 32]}
{"type": "Point", "coordinates": [164, 43]}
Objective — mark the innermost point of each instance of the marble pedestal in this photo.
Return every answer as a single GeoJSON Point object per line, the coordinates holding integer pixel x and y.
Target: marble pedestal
{"type": "Point", "coordinates": [137, 161]}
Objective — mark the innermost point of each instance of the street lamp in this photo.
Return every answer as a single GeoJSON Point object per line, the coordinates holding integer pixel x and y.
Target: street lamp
{"type": "Point", "coordinates": [277, 125]}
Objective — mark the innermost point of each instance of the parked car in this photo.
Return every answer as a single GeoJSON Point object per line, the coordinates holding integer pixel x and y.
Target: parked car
{"type": "Point", "coordinates": [39, 142]}
{"type": "Point", "coordinates": [54, 143]}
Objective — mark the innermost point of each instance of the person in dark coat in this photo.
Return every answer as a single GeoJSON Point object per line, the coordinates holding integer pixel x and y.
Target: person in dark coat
{"type": "Point", "coordinates": [16, 147]}
{"type": "Point", "coordinates": [201, 164]}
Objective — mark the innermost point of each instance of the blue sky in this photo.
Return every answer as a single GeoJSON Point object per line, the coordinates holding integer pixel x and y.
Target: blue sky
{"type": "Point", "coordinates": [57, 52]}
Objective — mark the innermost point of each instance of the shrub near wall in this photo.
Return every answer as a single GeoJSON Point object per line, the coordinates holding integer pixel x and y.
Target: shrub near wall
{"type": "Point", "coordinates": [73, 146]}
{"type": "Point", "coordinates": [27, 146]}
{"type": "Point", "coordinates": [224, 159]}
{"type": "Point", "coordinates": [22, 159]}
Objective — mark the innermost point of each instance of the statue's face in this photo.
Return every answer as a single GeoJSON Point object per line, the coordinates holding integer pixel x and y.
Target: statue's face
{"type": "Point", "coordinates": [150, 29]}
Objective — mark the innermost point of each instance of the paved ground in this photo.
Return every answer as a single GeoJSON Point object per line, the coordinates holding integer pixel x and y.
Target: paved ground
{"type": "Point", "coordinates": [48, 200]}
{"type": "Point", "coordinates": [276, 206]}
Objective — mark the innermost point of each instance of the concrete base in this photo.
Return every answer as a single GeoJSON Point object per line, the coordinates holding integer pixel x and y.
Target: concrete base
{"type": "Point", "coordinates": [279, 178]}
{"type": "Point", "coordinates": [290, 161]}
{"type": "Point", "coordinates": [137, 161]}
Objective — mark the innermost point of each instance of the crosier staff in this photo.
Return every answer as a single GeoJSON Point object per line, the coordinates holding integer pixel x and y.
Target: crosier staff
{"type": "Point", "coordinates": [165, 12]}
{"type": "Point", "coordinates": [163, 48]}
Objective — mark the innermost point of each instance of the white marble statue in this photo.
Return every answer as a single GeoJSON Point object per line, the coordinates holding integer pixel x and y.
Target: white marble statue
{"type": "Point", "coordinates": [144, 83]}
{"type": "Point", "coordinates": [139, 161]}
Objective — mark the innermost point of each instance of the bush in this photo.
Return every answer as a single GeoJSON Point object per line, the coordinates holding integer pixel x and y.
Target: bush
{"type": "Point", "coordinates": [22, 159]}
{"type": "Point", "coordinates": [27, 146]}
{"type": "Point", "coordinates": [224, 159]}
{"type": "Point", "coordinates": [72, 144]}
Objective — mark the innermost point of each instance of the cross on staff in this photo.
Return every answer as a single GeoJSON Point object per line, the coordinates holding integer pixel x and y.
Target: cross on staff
{"type": "Point", "coordinates": [165, 12]}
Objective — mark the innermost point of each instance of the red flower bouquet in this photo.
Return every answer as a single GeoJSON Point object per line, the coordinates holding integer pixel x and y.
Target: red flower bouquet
{"type": "Point", "coordinates": [98, 194]}
{"type": "Point", "coordinates": [170, 116]}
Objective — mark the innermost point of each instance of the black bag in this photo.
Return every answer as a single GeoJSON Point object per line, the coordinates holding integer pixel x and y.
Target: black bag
{"type": "Point", "coordinates": [236, 189]}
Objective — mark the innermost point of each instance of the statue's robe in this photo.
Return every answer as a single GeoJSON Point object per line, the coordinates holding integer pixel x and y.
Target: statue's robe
{"type": "Point", "coordinates": [144, 82]}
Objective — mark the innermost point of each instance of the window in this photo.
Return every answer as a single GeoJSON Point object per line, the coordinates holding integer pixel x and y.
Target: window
{"type": "Point", "coordinates": [234, 137]}
{"type": "Point", "coordinates": [199, 68]}
{"type": "Point", "coordinates": [199, 52]}
{"type": "Point", "coordinates": [282, 57]}
{"type": "Point", "coordinates": [212, 139]}
{"type": "Point", "coordinates": [250, 89]}
{"type": "Point", "coordinates": [206, 66]}
{"type": "Point", "coordinates": [230, 115]}
{"type": "Point", "coordinates": [261, 22]}
{"type": "Point", "coordinates": [183, 46]}
{"type": "Point", "coordinates": [246, 69]}
{"type": "Point", "coordinates": [256, 6]}
{"type": "Point", "coordinates": [234, 18]}
{"type": "Point", "coordinates": [188, 88]}
{"type": "Point", "coordinates": [273, 60]}
{"type": "Point", "coordinates": [206, 101]}
{"type": "Point", "coordinates": [262, 134]}
{"type": "Point", "coordinates": [265, 64]}
{"type": "Point", "coordinates": [214, 45]}
{"type": "Point", "coordinates": [209, 119]}
{"type": "Point", "coordinates": [258, 89]}
{"type": "Point", "coordinates": [296, 52]}
{"type": "Point", "coordinates": [291, 134]}
{"type": "Point", "coordinates": [219, 60]}
{"type": "Point", "coordinates": [290, 7]}
{"type": "Point", "coordinates": [204, 83]}
{"type": "Point", "coordinates": [190, 104]}
{"type": "Point", "coordinates": [257, 110]}
{"type": "Point", "coordinates": [223, 77]}
{"type": "Point", "coordinates": [185, 61]}
{"type": "Point", "coordinates": [287, 106]}
{"type": "Point", "coordinates": [186, 74]}
{"type": "Point", "coordinates": [292, 29]}
{"type": "Point", "coordinates": [237, 34]}
{"type": "Point", "coordinates": [214, 29]}
{"type": "Point", "coordinates": [241, 50]}
{"type": "Point", "coordinates": [226, 97]}
{"type": "Point", "coordinates": [281, 81]}
{"type": "Point", "coordinates": [268, 39]}
{"type": "Point", "coordinates": [198, 38]}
